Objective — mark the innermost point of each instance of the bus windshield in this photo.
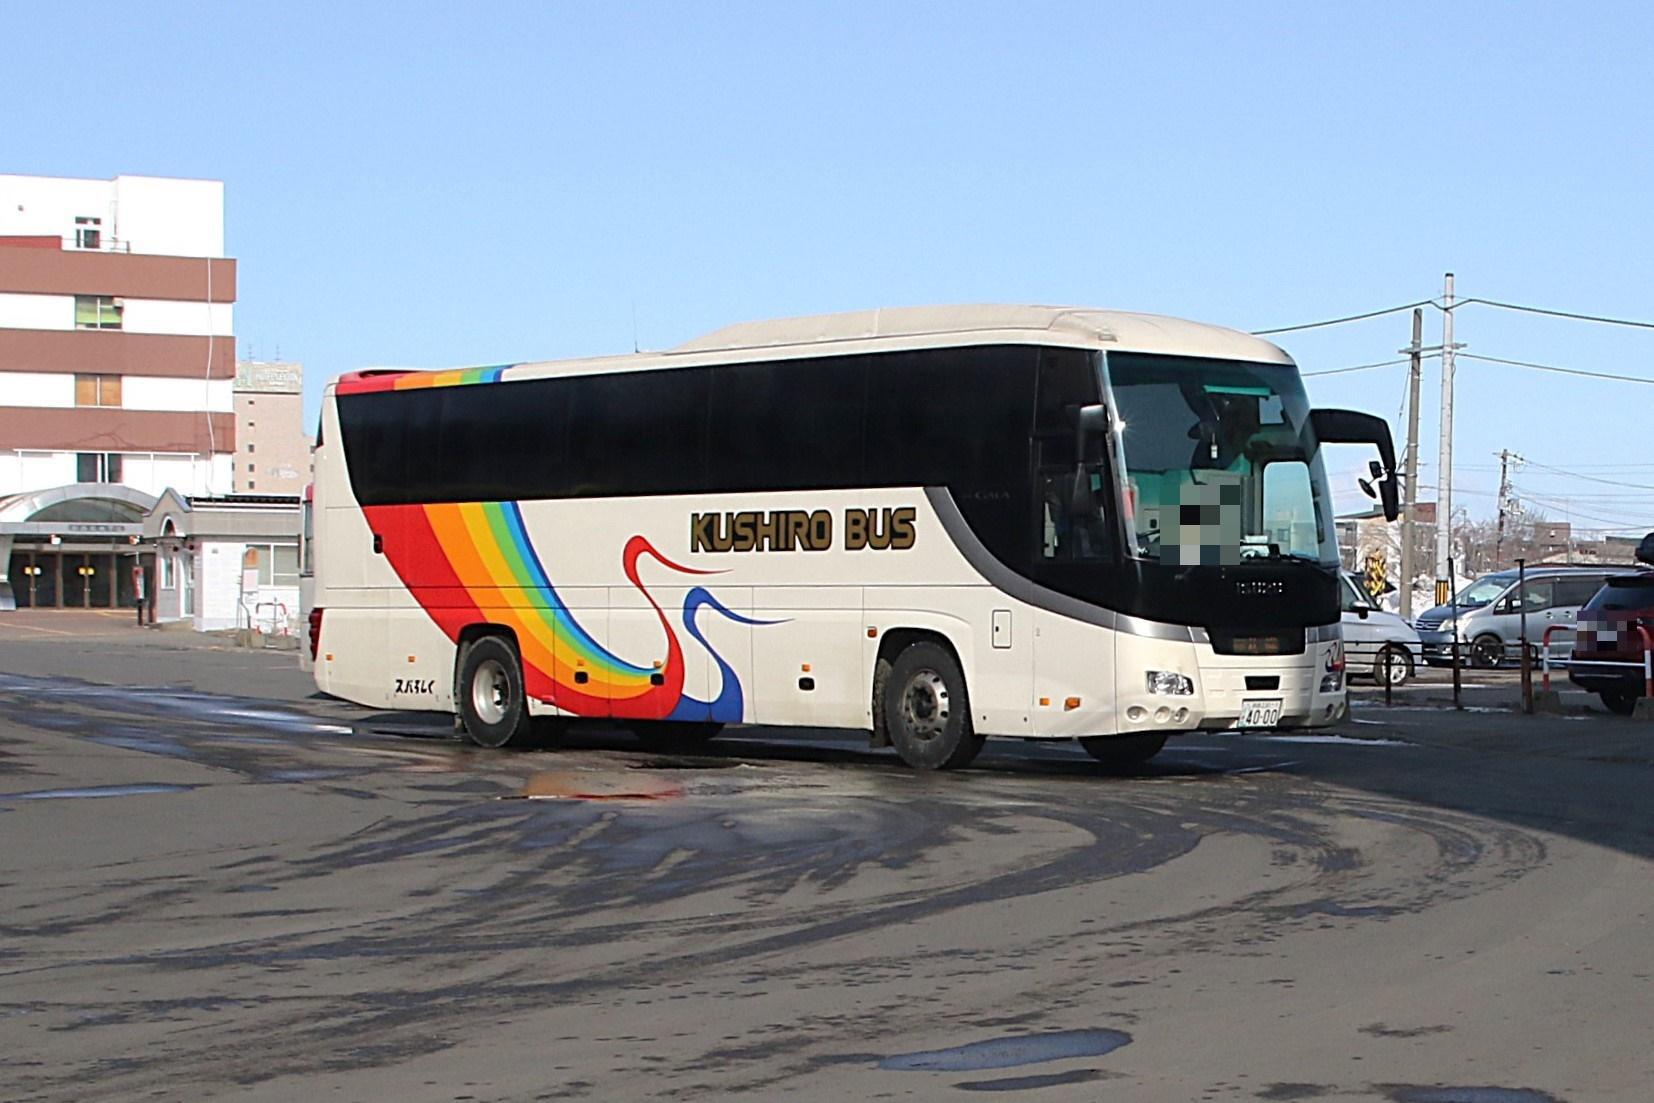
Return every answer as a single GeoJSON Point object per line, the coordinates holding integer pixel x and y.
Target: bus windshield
{"type": "Point", "coordinates": [1218, 463]}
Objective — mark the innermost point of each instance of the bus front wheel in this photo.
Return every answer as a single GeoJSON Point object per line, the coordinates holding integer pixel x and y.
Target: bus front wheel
{"type": "Point", "coordinates": [1123, 752]}
{"type": "Point", "coordinates": [492, 704]}
{"type": "Point", "coordinates": [927, 711]}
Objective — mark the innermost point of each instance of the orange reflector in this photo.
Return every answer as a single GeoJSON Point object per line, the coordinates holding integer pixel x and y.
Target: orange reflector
{"type": "Point", "coordinates": [657, 664]}
{"type": "Point", "coordinates": [1070, 704]}
{"type": "Point", "coordinates": [872, 633]}
{"type": "Point", "coordinates": [410, 658]}
{"type": "Point", "coordinates": [805, 668]}
{"type": "Point", "coordinates": [330, 656]}
{"type": "Point", "coordinates": [1045, 702]}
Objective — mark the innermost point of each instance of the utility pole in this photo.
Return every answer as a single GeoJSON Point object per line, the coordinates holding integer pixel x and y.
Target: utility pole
{"type": "Point", "coordinates": [1410, 482]}
{"type": "Point", "coordinates": [1444, 470]}
{"type": "Point", "coordinates": [1504, 496]}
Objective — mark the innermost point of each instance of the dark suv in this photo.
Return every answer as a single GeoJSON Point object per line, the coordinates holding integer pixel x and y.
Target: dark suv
{"type": "Point", "coordinates": [1608, 634]}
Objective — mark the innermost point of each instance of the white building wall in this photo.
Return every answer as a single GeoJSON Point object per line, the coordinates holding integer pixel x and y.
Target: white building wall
{"type": "Point", "coordinates": [169, 316]}
{"type": "Point", "coordinates": [144, 214]}
{"type": "Point", "coordinates": [24, 388]}
{"type": "Point", "coordinates": [154, 473]}
{"type": "Point", "coordinates": [180, 218]}
{"type": "Point", "coordinates": [148, 472]}
{"type": "Point", "coordinates": [220, 600]}
{"type": "Point", "coordinates": [217, 476]}
{"type": "Point", "coordinates": [31, 206]}
{"type": "Point", "coordinates": [145, 392]}
{"type": "Point", "coordinates": [56, 390]}
{"type": "Point", "coordinates": [26, 471]}
{"type": "Point", "coordinates": [20, 311]}
{"type": "Point", "coordinates": [179, 318]}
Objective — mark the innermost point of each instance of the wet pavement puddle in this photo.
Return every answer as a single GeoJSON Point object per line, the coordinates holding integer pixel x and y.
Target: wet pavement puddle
{"type": "Point", "coordinates": [1418, 1094]}
{"type": "Point", "coordinates": [1336, 740]}
{"type": "Point", "coordinates": [567, 785]}
{"type": "Point", "coordinates": [1003, 1053]}
{"type": "Point", "coordinates": [96, 791]}
{"type": "Point", "coordinates": [1029, 1083]}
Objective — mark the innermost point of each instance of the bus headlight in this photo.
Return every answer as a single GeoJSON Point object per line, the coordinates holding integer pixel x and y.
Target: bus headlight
{"type": "Point", "coordinates": [1169, 683]}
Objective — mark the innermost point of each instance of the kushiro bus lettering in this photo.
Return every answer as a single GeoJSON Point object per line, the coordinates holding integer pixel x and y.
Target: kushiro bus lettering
{"type": "Point", "coordinates": [801, 530]}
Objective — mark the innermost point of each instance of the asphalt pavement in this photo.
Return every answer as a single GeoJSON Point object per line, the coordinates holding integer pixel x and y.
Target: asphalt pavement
{"type": "Point", "coordinates": [218, 884]}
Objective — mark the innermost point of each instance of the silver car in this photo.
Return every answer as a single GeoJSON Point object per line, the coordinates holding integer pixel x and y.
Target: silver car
{"type": "Point", "coordinates": [1376, 643]}
{"type": "Point", "coordinates": [1490, 612]}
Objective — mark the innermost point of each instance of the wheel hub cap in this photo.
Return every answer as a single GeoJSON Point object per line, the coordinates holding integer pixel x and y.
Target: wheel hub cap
{"type": "Point", "coordinates": [925, 704]}
{"type": "Point", "coordinates": [489, 691]}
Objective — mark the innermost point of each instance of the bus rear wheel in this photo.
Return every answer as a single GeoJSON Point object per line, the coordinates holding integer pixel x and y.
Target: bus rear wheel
{"type": "Point", "coordinates": [492, 704]}
{"type": "Point", "coordinates": [927, 711]}
{"type": "Point", "coordinates": [1123, 752]}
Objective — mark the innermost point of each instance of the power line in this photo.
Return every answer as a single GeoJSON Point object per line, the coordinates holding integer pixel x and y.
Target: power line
{"type": "Point", "coordinates": [1588, 478]}
{"type": "Point", "coordinates": [1563, 371]}
{"type": "Point", "coordinates": [1356, 367]}
{"type": "Point", "coordinates": [1570, 512]}
{"type": "Point", "coordinates": [1559, 313]}
{"type": "Point", "coordinates": [1341, 321]}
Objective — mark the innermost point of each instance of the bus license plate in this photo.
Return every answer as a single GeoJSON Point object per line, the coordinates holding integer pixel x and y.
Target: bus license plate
{"type": "Point", "coordinates": [1260, 714]}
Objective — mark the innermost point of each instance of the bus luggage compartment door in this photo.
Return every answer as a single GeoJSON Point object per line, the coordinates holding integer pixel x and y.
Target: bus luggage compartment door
{"type": "Point", "coordinates": [666, 671]}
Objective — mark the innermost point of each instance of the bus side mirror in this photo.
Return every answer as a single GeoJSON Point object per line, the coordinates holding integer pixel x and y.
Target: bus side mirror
{"type": "Point", "coordinates": [1089, 421]}
{"type": "Point", "coordinates": [1353, 427]}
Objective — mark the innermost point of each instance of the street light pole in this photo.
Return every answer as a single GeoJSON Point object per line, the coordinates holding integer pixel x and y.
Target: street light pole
{"type": "Point", "coordinates": [1444, 470]}
{"type": "Point", "coordinates": [1410, 484]}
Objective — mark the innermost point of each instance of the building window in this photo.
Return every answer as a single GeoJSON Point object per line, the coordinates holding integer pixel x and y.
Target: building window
{"type": "Point", "coordinates": [98, 467]}
{"type": "Point", "coordinates": [88, 232]}
{"type": "Point", "coordinates": [250, 469]}
{"type": "Point", "coordinates": [250, 447]}
{"type": "Point", "coordinates": [168, 580]}
{"type": "Point", "coordinates": [97, 390]}
{"type": "Point", "coordinates": [98, 312]}
{"type": "Point", "coordinates": [278, 564]}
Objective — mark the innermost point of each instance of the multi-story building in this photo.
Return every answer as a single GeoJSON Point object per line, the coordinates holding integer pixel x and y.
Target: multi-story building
{"type": "Point", "coordinates": [117, 369]}
{"type": "Point", "coordinates": [272, 451]}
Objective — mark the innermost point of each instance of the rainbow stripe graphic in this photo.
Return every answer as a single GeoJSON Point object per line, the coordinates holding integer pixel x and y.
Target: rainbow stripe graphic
{"type": "Point", "coordinates": [473, 562]}
{"type": "Point", "coordinates": [368, 382]}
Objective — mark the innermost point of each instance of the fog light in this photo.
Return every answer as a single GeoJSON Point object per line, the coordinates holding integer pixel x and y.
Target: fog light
{"type": "Point", "coordinates": [1169, 683]}
{"type": "Point", "coordinates": [1162, 714]}
{"type": "Point", "coordinates": [1180, 715]}
{"type": "Point", "coordinates": [1136, 713]}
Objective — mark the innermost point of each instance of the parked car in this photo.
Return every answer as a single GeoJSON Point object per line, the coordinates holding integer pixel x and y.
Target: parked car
{"type": "Point", "coordinates": [1372, 636]}
{"type": "Point", "coordinates": [1489, 614]}
{"type": "Point", "coordinates": [1608, 658]}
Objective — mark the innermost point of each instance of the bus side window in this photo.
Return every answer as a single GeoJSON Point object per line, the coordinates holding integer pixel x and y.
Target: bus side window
{"type": "Point", "coordinates": [1068, 380]}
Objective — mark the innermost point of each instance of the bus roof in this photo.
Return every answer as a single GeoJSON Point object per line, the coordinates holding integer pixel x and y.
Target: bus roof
{"type": "Point", "coordinates": [991, 323]}
{"type": "Point", "coordinates": [895, 328]}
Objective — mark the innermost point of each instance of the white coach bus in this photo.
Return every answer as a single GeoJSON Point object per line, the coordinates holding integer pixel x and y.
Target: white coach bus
{"type": "Point", "coordinates": [936, 524]}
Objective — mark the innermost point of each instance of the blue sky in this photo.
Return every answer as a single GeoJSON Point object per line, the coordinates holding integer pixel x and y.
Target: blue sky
{"type": "Point", "coordinates": [431, 185]}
